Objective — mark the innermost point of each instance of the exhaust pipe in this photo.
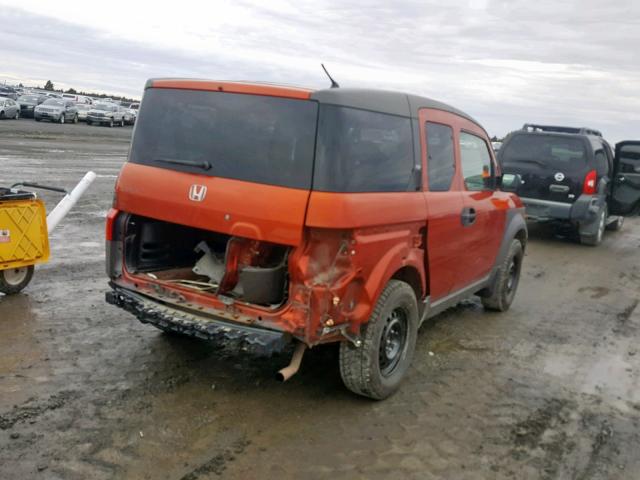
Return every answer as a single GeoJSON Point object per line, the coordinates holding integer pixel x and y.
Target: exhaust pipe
{"type": "Point", "coordinates": [296, 359]}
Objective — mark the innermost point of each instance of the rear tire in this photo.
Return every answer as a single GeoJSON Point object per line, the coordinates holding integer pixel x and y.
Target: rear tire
{"type": "Point", "coordinates": [376, 368]}
{"type": "Point", "coordinates": [13, 280]}
{"type": "Point", "coordinates": [37, 119]}
{"type": "Point", "coordinates": [506, 283]}
{"type": "Point", "coordinates": [17, 115]}
{"type": "Point", "coordinates": [75, 119]}
{"type": "Point", "coordinates": [61, 118]}
{"type": "Point", "coordinates": [111, 123]}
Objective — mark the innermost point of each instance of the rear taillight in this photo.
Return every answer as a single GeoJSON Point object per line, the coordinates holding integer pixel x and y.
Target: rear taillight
{"type": "Point", "coordinates": [589, 185]}
{"type": "Point", "coordinates": [111, 217]}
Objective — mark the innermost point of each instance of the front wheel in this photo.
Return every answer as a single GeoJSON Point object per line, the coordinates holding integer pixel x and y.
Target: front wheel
{"type": "Point", "coordinates": [111, 123]}
{"type": "Point", "coordinates": [17, 114]}
{"type": "Point", "coordinates": [507, 280]}
{"type": "Point", "coordinates": [13, 280]}
{"type": "Point", "coordinates": [377, 367]}
{"type": "Point", "coordinates": [75, 119]}
{"type": "Point", "coordinates": [61, 118]}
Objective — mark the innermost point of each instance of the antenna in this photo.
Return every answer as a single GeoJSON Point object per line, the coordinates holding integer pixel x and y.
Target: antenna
{"type": "Point", "coordinates": [334, 84]}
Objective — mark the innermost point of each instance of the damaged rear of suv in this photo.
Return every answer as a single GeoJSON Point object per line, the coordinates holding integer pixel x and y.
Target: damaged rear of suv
{"type": "Point", "coordinates": [264, 215]}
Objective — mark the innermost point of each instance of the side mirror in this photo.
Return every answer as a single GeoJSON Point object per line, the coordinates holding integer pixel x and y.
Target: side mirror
{"type": "Point", "coordinates": [510, 182]}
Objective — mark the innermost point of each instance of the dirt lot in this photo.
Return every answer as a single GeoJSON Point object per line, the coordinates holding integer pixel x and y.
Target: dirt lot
{"type": "Point", "coordinates": [549, 390]}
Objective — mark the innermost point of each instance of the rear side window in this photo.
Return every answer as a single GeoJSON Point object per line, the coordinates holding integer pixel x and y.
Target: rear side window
{"type": "Point", "coordinates": [555, 152]}
{"type": "Point", "coordinates": [440, 160]}
{"type": "Point", "coordinates": [602, 165]}
{"type": "Point", "coordinates": [363, 151]}
{"type": "Point", "coordinates": [244, 137]}
{"type": "Point", "coordinates": [476, 162]}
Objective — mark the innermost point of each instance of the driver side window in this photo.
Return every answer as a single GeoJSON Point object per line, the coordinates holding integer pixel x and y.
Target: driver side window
{"type": "Point", "coordinates": [475, 158]}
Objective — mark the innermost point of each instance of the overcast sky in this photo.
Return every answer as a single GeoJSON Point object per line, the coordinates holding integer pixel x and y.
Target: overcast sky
{"type": "Point", "coordinates": [505, 62]}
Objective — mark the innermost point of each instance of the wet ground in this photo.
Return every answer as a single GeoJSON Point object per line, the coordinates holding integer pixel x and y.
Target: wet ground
{"type": "Point", "coordinates": [548, 390]}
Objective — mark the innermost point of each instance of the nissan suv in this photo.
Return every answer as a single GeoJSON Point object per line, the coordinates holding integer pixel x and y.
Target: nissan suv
{"type": "Point", "coordinates": [572, 177]}
{"type": "Point", "coordinates": [269, 215]}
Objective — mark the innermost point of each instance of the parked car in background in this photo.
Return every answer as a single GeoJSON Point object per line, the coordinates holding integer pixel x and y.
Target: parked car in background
{"type": "Point", "coordinates": [106, 114]}
{"type": "Point", "coordinates": [28, 103]}
{"type": "Point", "coordinates": [56, 110]}
{"type": "Point", "coordinates": [129, 115]}
{"type": "Point", "coordinates": [134, 106]}
{"type": "Point", "coordinates": [83, 111]}
{"type": "Point", "coordinates": [78, 99]}
{"type": "Point", "coordinates": [8, 92]}
{"type": "Point", "coordinates": [572, 178]}
{"type": "Point", "coordinates": [9, 108]}
{"type": "Point", "coordinates": [496, 146]}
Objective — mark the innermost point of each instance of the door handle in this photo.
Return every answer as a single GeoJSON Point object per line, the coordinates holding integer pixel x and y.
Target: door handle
{"type": "Point", "coordinates": [468, 216]}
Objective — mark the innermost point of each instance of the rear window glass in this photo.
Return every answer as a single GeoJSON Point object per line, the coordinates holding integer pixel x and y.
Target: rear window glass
{"type": "Point", "coordinates": [552, 151]}
{"type": "Point", "coordinates": [245, 137]}
{"type": "Point", "coordinates": [362, 151]}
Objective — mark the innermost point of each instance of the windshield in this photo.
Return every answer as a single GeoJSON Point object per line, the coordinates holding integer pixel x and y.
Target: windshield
{"type": "Point", "coordinates": [54, 101]}
{"type": "Point", "coordinates": [550, 151]}
{"type": "Point", "coordinates": [108, 108]}
{"type": "Point", "coordinates": [245, 137]}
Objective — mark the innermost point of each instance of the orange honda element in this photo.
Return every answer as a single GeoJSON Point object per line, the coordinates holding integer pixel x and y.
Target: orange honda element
{"type": "Point", "coordinates": [269, 215]}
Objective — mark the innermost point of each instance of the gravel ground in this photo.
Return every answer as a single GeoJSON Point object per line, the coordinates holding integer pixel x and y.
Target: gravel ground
{"type": "Point", "coordinates": [548, 390]}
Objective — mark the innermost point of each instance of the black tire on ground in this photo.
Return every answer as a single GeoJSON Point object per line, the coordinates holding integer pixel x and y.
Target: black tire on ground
{"type": "Point", "coordinates": [111, 123]}
{"type": "Point", "coordinates": [616, 225]}
{"type": "Point", "coordinates": [75, 119]}
{"type": "Point", "coordinates": [595, 240]}
{"type": "Point", "coordinates": [88, 122]}
{"type": "Point", "coordinates": [1, 114]}
{"type": "Point", "coordinates": [13, 280]}
{"type": "Point", "coordinates": [17, 114]}
{"type": "Point", "coordinates": [507, 280]}
{"type": "Point", "coordinates": [122, 122]}
{"type": "Point", "coordinates": [377, 367]}
{"type": "Point", "coordinates": [37, 119]}
{"type": "Point", "coordinates": [61, 120]}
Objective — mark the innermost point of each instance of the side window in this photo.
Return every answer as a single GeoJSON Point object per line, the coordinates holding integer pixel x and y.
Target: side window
{"type": "Point", "coordinates": [440, 161]}
{"type": "Point", "coordinates": [476, 162]}
{"type": "Point", "coordinates": [602, 165]}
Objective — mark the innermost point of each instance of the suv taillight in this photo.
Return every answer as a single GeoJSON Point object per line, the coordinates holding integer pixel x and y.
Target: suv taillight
{"type": "Point", "coordinates": [589, 185]}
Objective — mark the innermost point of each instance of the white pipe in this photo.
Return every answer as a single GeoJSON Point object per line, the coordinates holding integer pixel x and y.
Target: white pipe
{"type": "Point", "coordinates": [67, 203]}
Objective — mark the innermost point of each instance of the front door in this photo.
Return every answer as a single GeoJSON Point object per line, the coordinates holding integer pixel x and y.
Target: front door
{"type": "Point", "coordinates": [484, 208]}
{"type": "Point", "coordinates": [625, 196]}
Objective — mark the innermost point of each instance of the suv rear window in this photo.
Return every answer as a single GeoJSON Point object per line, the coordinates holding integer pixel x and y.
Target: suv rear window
{"type": "Point", "coordinates": [550, 151]}
{"type": "Point", "coordinates": [363, 151]}
{"type": "Point", "coordinates": [244, 137]}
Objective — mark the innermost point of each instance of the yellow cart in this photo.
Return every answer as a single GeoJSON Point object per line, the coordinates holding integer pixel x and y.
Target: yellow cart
{"type": "Point", "coordinates": [24, 240]}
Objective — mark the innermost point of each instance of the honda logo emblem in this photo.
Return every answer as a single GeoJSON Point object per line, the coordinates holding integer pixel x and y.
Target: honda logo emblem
{"type": "Point", "coordinates": [197, 193]}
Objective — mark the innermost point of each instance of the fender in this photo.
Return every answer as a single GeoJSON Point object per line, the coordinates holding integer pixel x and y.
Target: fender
{"type": "Point", "coordinates": [515, 225]}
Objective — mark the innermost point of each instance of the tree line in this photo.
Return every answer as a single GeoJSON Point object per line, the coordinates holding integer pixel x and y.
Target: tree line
{"type": "Point", "coordinates": [51, 87]}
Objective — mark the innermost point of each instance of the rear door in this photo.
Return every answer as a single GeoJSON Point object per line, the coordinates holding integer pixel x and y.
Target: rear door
{"type": "Point", "coordinates": [445, 231]}
{"type": "Point", "coordinates": [625, 197]}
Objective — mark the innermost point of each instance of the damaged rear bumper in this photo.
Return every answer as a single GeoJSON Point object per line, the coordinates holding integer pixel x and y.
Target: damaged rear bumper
{"type": "Point", "coordinates": [258, 340]}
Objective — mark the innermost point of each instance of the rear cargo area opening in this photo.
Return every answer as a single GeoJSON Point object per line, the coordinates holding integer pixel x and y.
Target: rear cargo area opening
{"type": "Point", "coordinates": [213, 263]}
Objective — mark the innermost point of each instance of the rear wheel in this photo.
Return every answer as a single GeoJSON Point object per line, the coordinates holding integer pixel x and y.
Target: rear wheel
{"type": "Point", "coordinates": [14, 280]}
{"type": "Point", "coordinates": [88, 122]}
{"type": "Point", "coordinates": [37, 119]}
{"type": "Point", "coordinates": [17, 114]}
{"type": "Point", "coordinates": [61, 118]}
{"type": "Point", "coordinates": [377, 367]}
{"type": "Point", "coordinates": [75, 119]}
{"type": "Point", "coordinates": [506, 283]}
{"type": "Point", "coordinates": [111, 123]}
{"type": "Point", "coordinates": [122, 122]}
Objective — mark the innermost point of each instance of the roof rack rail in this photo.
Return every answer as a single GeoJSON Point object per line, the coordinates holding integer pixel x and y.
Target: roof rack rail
{"type": "Point", "coordinates": [532, 127]}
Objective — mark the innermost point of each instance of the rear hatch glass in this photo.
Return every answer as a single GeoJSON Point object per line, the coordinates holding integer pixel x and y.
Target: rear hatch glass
{"type": "Point", "coordinates": [253, 138]}
{"type": "Point", "coordinates": [552, 167]}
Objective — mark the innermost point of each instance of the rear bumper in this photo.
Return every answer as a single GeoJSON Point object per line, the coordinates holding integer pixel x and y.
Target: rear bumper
{"type": "Point", "coordinates": [147, 310]}
{"type": "Point", "coordinates": [583, 210]}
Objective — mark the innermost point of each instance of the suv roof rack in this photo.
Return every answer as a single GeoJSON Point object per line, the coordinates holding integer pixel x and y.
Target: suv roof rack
{"type": "Point", "coordinates": [531, 127]}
